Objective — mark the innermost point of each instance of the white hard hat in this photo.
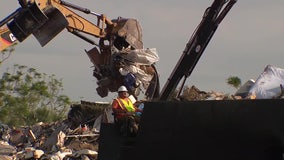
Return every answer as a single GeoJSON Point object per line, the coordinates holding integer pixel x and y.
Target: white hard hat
{"type": "Point", "coordinates": [122, 89]}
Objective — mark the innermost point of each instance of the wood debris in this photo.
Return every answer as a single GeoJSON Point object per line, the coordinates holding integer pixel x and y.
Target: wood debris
{"type": "Point", "coordinates": [57, 141]}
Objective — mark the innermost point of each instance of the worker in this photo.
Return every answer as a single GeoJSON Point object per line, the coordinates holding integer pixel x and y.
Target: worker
{"type": "Point", "coordinates": [126, 114]}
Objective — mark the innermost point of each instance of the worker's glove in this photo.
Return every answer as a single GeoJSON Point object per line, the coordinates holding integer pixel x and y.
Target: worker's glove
{"type": "Point", "coordinates": [138, 114]}
{"type": "Point", "coordinates": [141, 106]}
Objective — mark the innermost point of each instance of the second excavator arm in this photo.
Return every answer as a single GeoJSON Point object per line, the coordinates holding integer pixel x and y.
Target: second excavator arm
{"type": "Point", "coordinates": [196, 46]}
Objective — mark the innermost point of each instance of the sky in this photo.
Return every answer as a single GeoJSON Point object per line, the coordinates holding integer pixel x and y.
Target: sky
{"type": "Point", "coordinates": [247, 40]}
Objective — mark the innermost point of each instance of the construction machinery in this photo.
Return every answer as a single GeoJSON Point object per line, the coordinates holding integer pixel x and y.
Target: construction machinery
{"type": "Point", "coordinates": [45, 19]}
{"type": "Point", "coordinates": [227, 129]}
{"type": "Point", "coordinates": [7, 38]}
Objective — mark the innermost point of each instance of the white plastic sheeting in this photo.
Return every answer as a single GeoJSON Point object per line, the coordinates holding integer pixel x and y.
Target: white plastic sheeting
{"type": "Point", "coordinates": [141, 56]}
{"type": "Point", "coordinates": [268, 84]}
{"type": "Point", "coordinates": [137, 58]}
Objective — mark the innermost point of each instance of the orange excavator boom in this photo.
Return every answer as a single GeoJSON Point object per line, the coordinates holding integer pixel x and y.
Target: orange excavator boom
{"type": "Point", "coordinates": [7, 39]}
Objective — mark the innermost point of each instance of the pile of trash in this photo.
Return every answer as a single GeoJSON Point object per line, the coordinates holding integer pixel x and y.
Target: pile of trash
{"type": "Point", "coordinates": [76, 138]}
{"type": "Point", "coordinates": [58, 140]}
{"type": "Point", "coordinates": [133, 68]}
{"type": "Point", "coordinates": [193, 94]}
{"type": "Point", "coordinates": [268, 85]}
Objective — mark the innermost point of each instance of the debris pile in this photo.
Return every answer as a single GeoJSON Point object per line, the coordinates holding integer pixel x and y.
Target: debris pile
{"type": "Point", "coordinates": [58, 140]}
{"type": "Point", "coordinates": [268, 85]}
{"type": "Point", "coordinates": [193, 93]}
{"type": "Point", "coordinates": [77, 136]}
{"type": "Point", "coordinates": [133, 68]}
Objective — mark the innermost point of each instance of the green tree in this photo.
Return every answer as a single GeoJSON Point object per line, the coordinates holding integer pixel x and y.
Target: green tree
{"type": "Point", "coordinates": [6, 53]}
{"type": "Point", "coordinates": [234, 81]}
{"type": "Point", "coordinates": [28, 97]}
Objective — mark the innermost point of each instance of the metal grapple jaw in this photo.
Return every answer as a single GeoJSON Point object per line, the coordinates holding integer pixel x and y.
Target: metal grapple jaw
{"type": "Point", "coordinates": [43, 24]}
{"type": "Point", "coordinates": [46, 18]}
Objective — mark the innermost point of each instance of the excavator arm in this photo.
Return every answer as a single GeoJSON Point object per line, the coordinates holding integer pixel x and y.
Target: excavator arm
{"type": "Point", "coordinates": [196, 46]}
{"type": "Point", "coordinates": [45, 19]}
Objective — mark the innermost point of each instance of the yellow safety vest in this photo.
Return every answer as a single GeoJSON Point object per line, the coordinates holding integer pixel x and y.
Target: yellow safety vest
{"type": "Point", "coordinates": [127, 104]}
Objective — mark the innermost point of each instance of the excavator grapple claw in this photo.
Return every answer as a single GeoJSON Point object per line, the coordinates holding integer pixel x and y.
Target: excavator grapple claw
{"type": "Point", "coordinates": [119, 57]}
{"type": "Point", "coordinates": [55, 24]}
{"type": "Point", "coordinates": [26, 21]}
{"type": "Point", "coordinates": [44, 23]}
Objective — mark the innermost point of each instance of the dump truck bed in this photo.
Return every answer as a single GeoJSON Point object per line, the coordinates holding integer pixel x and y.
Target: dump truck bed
{"type": "Point", "coordinates": [201, 130]}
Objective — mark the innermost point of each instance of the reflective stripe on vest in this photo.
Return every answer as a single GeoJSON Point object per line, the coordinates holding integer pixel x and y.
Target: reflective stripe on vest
{"type": "Point", "coordinates": [126, 104]}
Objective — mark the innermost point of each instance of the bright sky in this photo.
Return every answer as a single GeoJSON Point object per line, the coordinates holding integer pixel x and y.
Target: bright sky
{"type": "Point", "coordinates": [248, 39]}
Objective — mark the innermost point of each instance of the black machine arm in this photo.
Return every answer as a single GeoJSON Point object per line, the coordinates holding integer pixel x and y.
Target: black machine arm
{"type": "Point", "coordinates": [196, 45]}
